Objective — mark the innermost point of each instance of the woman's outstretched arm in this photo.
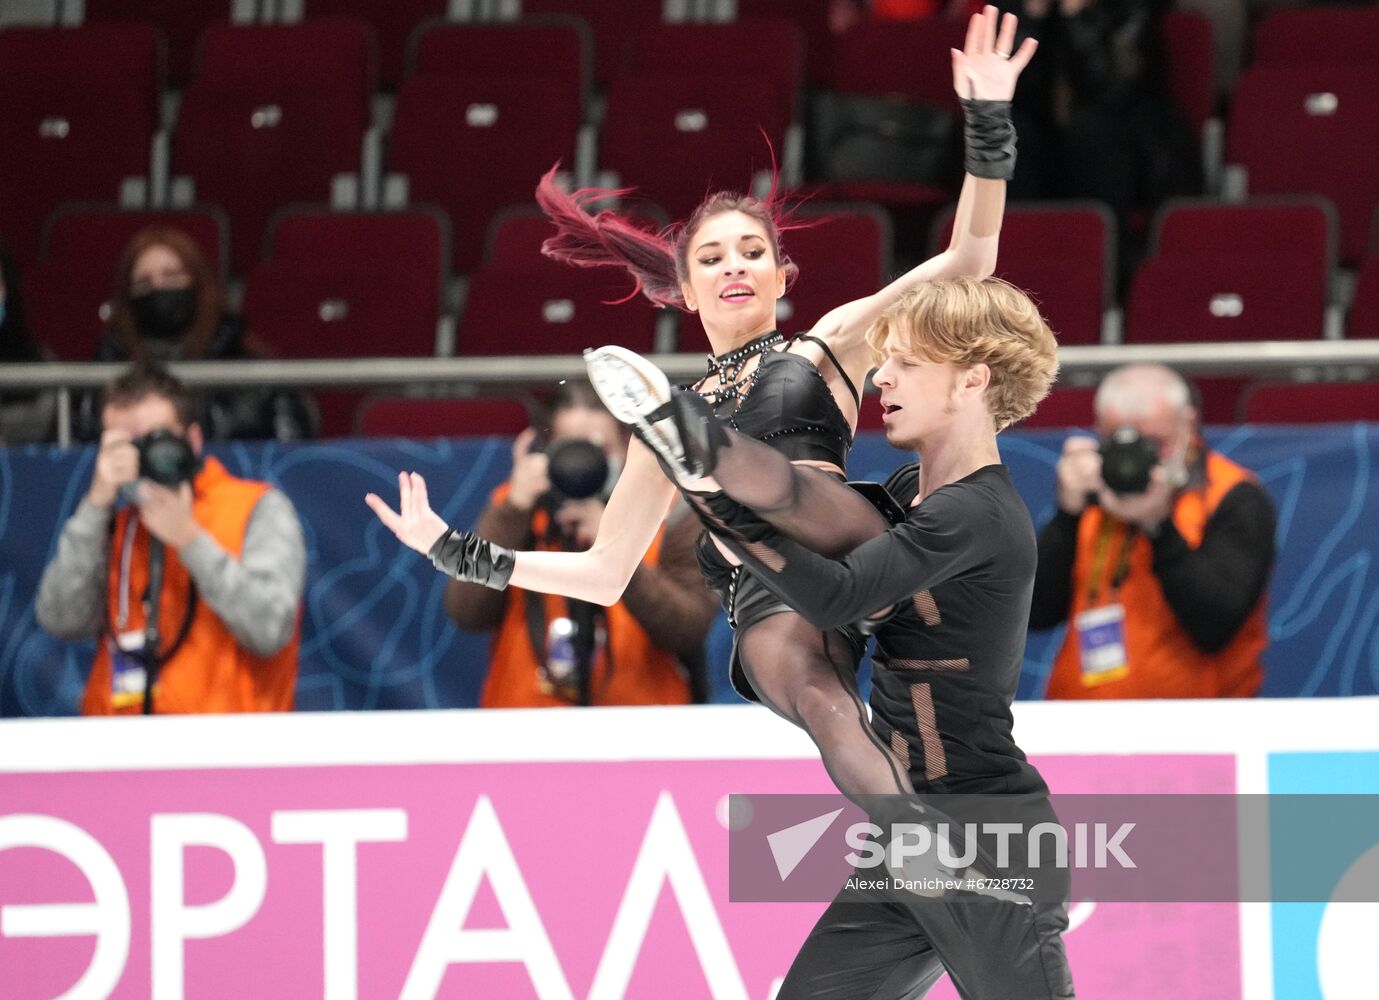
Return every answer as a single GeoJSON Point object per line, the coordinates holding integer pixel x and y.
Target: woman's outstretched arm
{"type": "Point", "coordinates": [634, 514]}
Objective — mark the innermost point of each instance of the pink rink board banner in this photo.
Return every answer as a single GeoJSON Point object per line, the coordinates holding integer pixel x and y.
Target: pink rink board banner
{"type": "Point", "coordinates": [536, 855]}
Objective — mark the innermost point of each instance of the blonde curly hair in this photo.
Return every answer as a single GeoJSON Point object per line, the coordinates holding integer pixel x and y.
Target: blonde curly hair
{"type": "Point", "coordinates": [974, 321]}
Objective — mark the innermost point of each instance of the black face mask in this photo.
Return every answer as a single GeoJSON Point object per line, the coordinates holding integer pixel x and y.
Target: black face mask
{"type": "Point", "coordinates": [166, 313]}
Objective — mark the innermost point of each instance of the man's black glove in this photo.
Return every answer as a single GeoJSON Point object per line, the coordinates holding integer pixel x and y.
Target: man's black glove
{"type": "Point", "coordinates": [471, 559]}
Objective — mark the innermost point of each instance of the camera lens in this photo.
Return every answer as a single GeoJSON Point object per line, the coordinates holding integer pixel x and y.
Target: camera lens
{"type": "Point", "coordinates": [1127, 461]}
{"type": "Point", "coordinates": [577, 468]}
{"type": "Point", "coordinates": [166, 459]}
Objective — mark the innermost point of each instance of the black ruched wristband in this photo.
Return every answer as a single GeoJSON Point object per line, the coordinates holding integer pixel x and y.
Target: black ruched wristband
{"type": "Point", "coordinates": [990, 139]}
{"type": "Point", "coordinates": [472, 559]}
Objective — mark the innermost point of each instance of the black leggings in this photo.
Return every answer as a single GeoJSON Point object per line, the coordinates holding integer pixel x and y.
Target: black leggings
{"type": "Point", "coordinates": [805, 675]}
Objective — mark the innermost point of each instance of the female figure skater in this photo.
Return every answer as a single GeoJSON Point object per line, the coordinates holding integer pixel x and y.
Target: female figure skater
{"type": "Point", "coordinates": [799, 397]}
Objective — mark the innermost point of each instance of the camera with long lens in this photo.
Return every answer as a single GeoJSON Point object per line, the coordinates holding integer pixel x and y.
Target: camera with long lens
{"type": "Point", "coordinates": [578, 469]}
{"type": "Point", "coordinates": [1127, 460]}
{"type": "Point", "coordinates": [166, 458]}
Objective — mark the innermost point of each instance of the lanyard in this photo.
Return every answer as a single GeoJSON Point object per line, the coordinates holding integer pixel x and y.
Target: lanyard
{"type": "Point", "coordinates": [126, 561]}
{"type": "Point", "coordinates": [1122, 567]}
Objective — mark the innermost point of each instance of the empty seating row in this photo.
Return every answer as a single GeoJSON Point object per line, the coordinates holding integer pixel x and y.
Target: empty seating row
{"type": "Point", "coordinates": [274, 113]}
{"type": "Point", "coordinates": [471, 136]}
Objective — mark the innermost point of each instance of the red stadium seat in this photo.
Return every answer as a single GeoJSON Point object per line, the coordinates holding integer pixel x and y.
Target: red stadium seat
{"type": "Point", "coordinates": [475, 146]}
{"type": "Point", "coordinates": [1256, 271]}
{"type": "Point", "coordinates": [1063, 255]}
{"type": "Point", "coordinates": [415, 418]}
{"type": "Point", "coordinates": [512, 311]}
{"type": "Point", "coordinates": [773, 49]}
{"type": "Point", "coordinates": [1316, 36]}
{"type": "Point", "coordinates": [273, 113]}
{"type": "Point", "coordinates": [180, 21]}
{"type": "Point", "coordinates": [677, 137]}
{"type": "Point", "coordinates": [99, 233]}
{"type": "Point", "coordinates": [487, 110]}
{"type": "Point", "coordinates": [812, 16]}
{"type": "Point", "coordinates": [392, 21]}
{"type": "Point", "coordinates": [1191, 65]}
{"type": "Point", "coordinates": [846, 255]}
{"type": "Point", "coordinates": [1183, 300]}
{"type": "Point", "coordinates": [1070, 407]}
{"type": "Point", "coordinates": [907, 59]}
{"type": "Point", "coordinates": [610, 22]}
{"type": "Point", "coordinates": [1314, 403]}
{"type": "Point", "coordinates": [514, 241]}
{"type": "Point", "coordinates": [1363, 321]}
{"type": "Point", "coordinates": [1314, 130]}
{"type": "Point", "coordinates": [1300, 227]}
{"type": "Point", "coordinates": [551, 48]}
{"type": "Point", "coordinates": [349, 285]}
{"type": "Point", "coordinates": [66, 290]}
{"type": "Point", "coordinates": [78, 109]}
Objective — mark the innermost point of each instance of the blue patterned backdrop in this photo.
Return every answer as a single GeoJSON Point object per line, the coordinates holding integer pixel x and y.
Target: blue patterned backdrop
{"type": "Point", "coordinates": [376, 634]}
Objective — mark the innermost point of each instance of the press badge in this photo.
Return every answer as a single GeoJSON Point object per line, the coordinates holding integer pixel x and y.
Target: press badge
{"type": "Point", "coordinates": [1101, 635]}
{"type": "Point", "coordinates": [128, 676]}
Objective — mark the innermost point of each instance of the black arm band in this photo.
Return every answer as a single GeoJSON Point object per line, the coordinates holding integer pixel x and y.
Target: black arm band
{"type": "Point", "coordinates": [990, 139]}
{"type": "Point", "coordinates": [472, 559]}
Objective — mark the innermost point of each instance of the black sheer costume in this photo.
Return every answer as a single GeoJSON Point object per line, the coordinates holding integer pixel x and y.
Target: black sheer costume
{"type": "Point", "coordinates": [948, 590]}
{"type": "Point", "coordinates": [804, 674]}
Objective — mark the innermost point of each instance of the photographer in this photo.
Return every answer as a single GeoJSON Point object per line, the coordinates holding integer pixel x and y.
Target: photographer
{"type": "Point", "coordinates": [170, 553]}
{"type": "Point", "coordinates": [645, 650]}
{"type": "Point", "coordinates": [1158, 556]}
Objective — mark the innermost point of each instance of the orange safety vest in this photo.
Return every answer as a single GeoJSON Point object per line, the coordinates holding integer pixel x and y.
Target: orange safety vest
{"type": "Point", "coordinates": [209, 671]}
{"type": "Point", "coordinates": [1161, 659]}
{"type": "Point", "coordinates": [642, 673]}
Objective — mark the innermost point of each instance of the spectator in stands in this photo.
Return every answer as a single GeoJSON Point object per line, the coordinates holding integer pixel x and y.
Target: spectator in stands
{"type": "Point", "coordinates": [547, 650]}
{"type": "Point", "coordinates": [1158, 556]}
{"type": "Point", "coordinates": [1097, 119]}
{"type": "Point", "coordinates": [233, 566]}
{"type": "Point", "coordinates": [24, 416]}
{"type": "Point", "coordinates": [167, 305]}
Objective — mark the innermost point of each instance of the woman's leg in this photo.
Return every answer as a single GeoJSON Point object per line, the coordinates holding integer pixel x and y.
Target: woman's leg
{"type": "Point", "coordinates": [814, 508]}
{"type": "Point", "coordinates": [810, 678]}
